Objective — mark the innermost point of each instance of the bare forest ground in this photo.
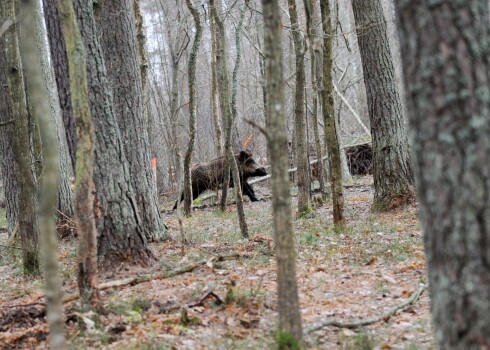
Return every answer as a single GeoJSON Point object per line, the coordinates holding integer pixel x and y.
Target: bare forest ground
{"type": "Point", "coordinates": [376, 264]}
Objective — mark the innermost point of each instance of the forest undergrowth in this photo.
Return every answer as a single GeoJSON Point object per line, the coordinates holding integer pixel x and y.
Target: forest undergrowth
{"type": "Point", "coordinates": [377, 263]}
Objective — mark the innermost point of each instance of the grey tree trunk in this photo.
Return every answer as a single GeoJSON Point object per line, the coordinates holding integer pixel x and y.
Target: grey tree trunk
{"type": "Point", "coordinates": [392, 171]}
{"type": "Point", "coordinates": [16, 99]}
{"type": "Point", "coordinates": [214, 90]}
{"type": "Point", "coordinates": [328, 109]}
{"type": "Point", "coordinates": [8, 165]}
{"type": "Point", "coordinates": [65, 203]}
{"type": "Point", "coordinates": [116, 26]}
{"type": "Point", "coordinates": [301, 149]}
{"type": "Point", "coordinates": [60, 65]}
{"type": "Point", "coordinates": [121, 234]}
{"type": "Point", "coordinates": [288, 303]}
{"type": "Point", "coordinates": [313, 20]}
{"type": "Point", "coordinates": [228, 110]}
{"type": "Point", "coordinates": [39, 96]}
{"type": "Point", "coordinates": [446, 60]}
{"type": "Point", "coordinates": [192, 108]}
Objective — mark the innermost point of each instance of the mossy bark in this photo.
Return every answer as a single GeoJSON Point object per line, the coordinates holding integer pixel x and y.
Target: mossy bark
{"type": "Point", "coordinates": [446, 60]}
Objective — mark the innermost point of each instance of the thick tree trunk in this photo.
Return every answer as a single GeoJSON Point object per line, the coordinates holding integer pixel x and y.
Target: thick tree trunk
{"type": "Point", "coordinates": [446, 60]}
{"type": "Point", "coordinates": [8, 165]}
{"type": "Point", "coordinates": [392, 170]}
{"type": "Point", "coordinates": [121, 235]}
{"type": "Point", "coordinates": [288, 303]}
{"type": "Point", "coordinates": [65, 203]}
{"type": "Point", "coordinates": [115, 24]}
{"type": "Point", "coordinates": [84, 184]}
{"type": "Point", "coordinates": [16, 99]}
{"type": "Point", "coordinates": [60, 65]}
{"type": "Point", "coordinates": [37, 75]}
{"type": "Point", "coordinates": [303, 179]}
{"type": "Point", "coordinates": [331, 136]}
{"type": "Point", "coordinates": [192, 108]}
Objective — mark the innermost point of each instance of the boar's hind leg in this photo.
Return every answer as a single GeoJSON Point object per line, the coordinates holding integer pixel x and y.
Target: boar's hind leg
{"type": "Point", "coordinates": [249, 191]}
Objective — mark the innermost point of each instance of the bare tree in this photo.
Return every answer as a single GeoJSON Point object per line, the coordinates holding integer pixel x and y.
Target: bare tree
{"type": "Point", "coordinates": [303, 179]}
{"type": "Point", "coordinates": [288, 303]}
{"type": "Point", "coordinates": [331, 136]}
{"type": "Point", "coordinates": [39, 97]}
{"type": "Point", "coordinates": [17, 102]}
{"type": "Point", "coordinates": [117, 29]}
{"type": "Point", "coordinates": [192, 108]}
{"type": "Point", "coordinates": [84, 185]}
{"type": "Point", "coordinates": [445, 56]}
{"type": "Point", "coordinates": [392, 171]}
{"type": "Point", "coordinates": [121, 236]}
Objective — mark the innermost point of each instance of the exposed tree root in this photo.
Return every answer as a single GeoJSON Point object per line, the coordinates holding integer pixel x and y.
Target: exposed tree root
{"type": "Point", "coordinates": [364, 322]}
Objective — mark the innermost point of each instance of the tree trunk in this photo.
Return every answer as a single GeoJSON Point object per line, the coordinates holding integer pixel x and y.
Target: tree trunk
{"type": "Point", "coordinates": [228, 110]}
{"type": "Point", "coordinates": [16, 99]}
{"type": "Point", "coordinates": [192, 108]}
{"type": "Point", "coordinates": [303, 179]}
{"type": "Point", "coordinates": [214, 90]}
{"type": "Point", "coordinates": [65, 203]}
{"type": "Point", "coordinates": [392, 170]}
{"type": "Point", "coordinates": [237, 177]}
{"type": "Point", "coordinates": [8, 165]}
{"type": "Point", "coordinates": [39, 97]}
{"type": "Point", "coordinates": [331, 136]}
{"type": "Point", "coordinates": [121, 235]}
{"type": "Point", "coordinates": [115, 24]}
{"type": "Point", "coordinates": [288, 304]}
{"type": "Point", "coordinates": [84, 185]}
{"type": "Point", "coordinates": [312, 21]}
{"type": "Point", "coordinates": [445, 55]}
{"type": "Point", "coordinates": [60, 65]}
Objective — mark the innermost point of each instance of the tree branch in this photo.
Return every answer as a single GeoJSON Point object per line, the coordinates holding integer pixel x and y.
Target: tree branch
{"type": "Point", "coordinates": [364, 322]}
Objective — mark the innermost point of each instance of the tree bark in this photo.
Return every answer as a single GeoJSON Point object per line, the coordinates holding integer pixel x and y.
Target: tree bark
{"type": "Point", "coordinates": [328, 109]}
{"type": "Point", "coordinates": [121, 235]}
{"type": "Point", "coordinates": [17, 100]}
{"type": "Point", "coordinates": [84, 185]}
{"type": "Point", "coordinates": [65, 202]}
{"type": "Point", "coordinates": [39, 97]}
{"type": "Point", "coordinates": [312, 22]}
{"type": "Point", "coordinates": [60, 65]}
{"type": "Point", "coordinates": [8, 165]}
{"type": "Point", "coordinates": [192, 108]}
{"type": "Point", "coordinates": [115, 24]}
{"type": "Point", "coordinates": [303, 179]}
{"type": "Point", "coordinates": [392, 172]}
{"type": "Point", "coordinates": [288, 303]}
{"type": "Point", "coordinates": [446, 59]}
{"type": "Point", "coordinates": [214, 90]}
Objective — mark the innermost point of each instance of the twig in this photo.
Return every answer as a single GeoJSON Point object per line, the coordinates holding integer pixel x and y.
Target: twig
{"type": "Point", "coordinates": [200, 302]}
{"type": "Point", "coordinates": [364, 322]}
{"type": "Point", "coordinates": [23, 305]}
{"type": "Point", "coordinates": [159, 276]}
{"type": "Point", "coordinates": [261, 129]}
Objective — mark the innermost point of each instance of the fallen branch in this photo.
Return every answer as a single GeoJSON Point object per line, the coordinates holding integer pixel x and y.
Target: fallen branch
{"type": "Point", "coordinates": [200, 302]}
{"type": "Point", "coordinates": [364, 322]}
{"type": "Point", "coordinates": [11, 246]}
{"type": "Point", "coordinates": [158, 276]}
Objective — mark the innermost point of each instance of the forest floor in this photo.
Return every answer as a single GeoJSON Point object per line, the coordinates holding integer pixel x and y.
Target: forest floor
{"type": "Point", "coordinates": [377, 263]}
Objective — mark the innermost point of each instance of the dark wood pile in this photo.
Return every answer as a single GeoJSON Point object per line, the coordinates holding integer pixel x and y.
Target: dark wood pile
{"type": "Point", "coordinates": [360, 159]}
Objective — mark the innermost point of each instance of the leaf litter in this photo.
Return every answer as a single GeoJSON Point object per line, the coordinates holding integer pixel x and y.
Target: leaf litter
{"type": "Point", "coordinates": [377, 263]}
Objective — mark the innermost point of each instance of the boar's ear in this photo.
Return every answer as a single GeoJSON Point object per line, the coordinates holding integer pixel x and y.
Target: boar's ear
{"type": "Point", "coordinates": [243, 156]}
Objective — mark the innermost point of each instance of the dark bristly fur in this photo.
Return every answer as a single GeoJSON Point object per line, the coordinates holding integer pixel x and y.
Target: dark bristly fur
{"type": "Point", "coordinates": [210, 175]}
